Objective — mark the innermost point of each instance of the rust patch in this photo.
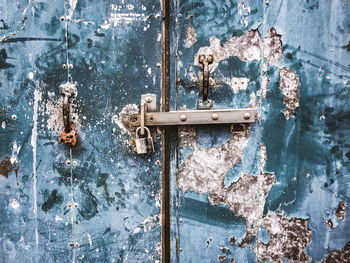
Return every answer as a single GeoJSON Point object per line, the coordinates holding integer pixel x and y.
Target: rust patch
{"type": "Point", "coordinates": [340, 212]}
{"type": "Point", "coordinates": [191, 36]}
{"type": "Point", "coordinates": [6, 167]}
{"type": "Point", "coordinates": [339, 256]}
{"type": "Point", "coordinates": [288, 239]}
{"type": "Point", "coordinates": [69, 138]}
{"type": "Point", "coordinates": [289, 85]}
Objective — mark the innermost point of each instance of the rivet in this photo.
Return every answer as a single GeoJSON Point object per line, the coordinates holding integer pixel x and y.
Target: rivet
{"type": "Point", "coordinates": [214, 117]}
{"type": "Point", "coordinates": [64, 66]}
{"type": "Point", "coordinates": [148, 99]}
{"type": "Point", "coordinates": [183, 117]}
{"type": "Point", "coordinates": [68, 162]}
{"type": "Point", "coordinates": [70, 65]}
{"type": "Point", "coordinates": [246, 116]}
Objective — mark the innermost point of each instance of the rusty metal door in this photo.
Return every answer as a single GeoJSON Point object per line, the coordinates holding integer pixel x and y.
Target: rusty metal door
{"type": "Point", "coordinates": [276, 190]}
{"type": "Point", "coordinates": [98, 201]}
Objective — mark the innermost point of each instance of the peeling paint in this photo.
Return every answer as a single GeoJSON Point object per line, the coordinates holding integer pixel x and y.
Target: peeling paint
{"type": "Point", "coordinates": [204, 171]}
{"type": "Point", "coordinates": [340, 212]}
{"type": "Point", "coordinates": [338, 256]}
{"type": "Point", "coordinates": [288, 239]}
{"type": "Point", "coordinates": [238, 84]}
{"type": "Point", "coordinates": [289, 85]}
{"type": "Point", "coordinates": [123, 120]}
{"type": "Point", "coordinates": [191, 36]}
{"type": "Point", "coordinates": [247, 47]}
{"type": "Point", "coordinates": [264, 87]}
{"type": "Point", "coordinates": [244, 12]}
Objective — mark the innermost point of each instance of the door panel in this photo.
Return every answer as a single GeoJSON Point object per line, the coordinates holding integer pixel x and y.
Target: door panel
{"type": "Point", "coordinates": [98, 201]}
{"type": "Point", "coordinates": [269, 191]}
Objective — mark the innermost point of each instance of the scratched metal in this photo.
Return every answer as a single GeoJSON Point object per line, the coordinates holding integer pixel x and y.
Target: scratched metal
{"type": "Point", "coordinates": [277, 191]}
{"type": "Point", "coordinates": [99, 201]}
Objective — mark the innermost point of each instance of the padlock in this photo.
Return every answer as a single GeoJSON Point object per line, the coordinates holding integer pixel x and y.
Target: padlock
{"type": "Point", "coordinates": [144, 145]}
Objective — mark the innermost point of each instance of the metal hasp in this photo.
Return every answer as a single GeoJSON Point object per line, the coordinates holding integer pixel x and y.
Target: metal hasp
{"type": "Point", "coordinates": [196, 117]}
{"type": "Point", "coordinates": [205, 60]}
{"type": "Point", "coordinates": [68, 134]}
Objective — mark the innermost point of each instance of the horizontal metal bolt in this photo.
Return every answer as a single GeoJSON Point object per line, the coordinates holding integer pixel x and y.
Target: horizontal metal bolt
{"type": "Point", "coordinates": [246, 116]}
{"type": "Point", "coordinates": [215, 117]}
{"type": "Point", "coordinates": [183, 117]}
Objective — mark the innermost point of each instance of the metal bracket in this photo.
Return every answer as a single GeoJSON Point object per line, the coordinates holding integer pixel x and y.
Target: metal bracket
{"type": "Point", "coordinates": [150, 105]}
{"type": "Point", "coordinates": [196, 117]}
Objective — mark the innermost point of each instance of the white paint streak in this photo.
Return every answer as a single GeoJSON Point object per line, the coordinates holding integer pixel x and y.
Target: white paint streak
{"type": "Point", "coordinates": [90, 240]}
{"type": "Point", "coordinates": [72, 6]}
{"type": "Point", "coordinates": [37, 98]}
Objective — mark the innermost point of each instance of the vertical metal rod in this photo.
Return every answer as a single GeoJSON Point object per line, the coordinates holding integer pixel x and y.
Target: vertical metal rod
{"type": "Point", "coordinates": [142, 130]}
{"type": "Point", "coordinates": [165, 195]}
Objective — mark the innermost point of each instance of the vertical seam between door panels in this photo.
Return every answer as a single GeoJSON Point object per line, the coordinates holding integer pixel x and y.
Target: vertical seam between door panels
{"type": "Point", "coordinates": [165, 178]}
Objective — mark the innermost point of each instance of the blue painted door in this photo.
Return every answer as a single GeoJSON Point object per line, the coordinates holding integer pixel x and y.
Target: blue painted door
{"type": "Point", "coordinates": [276, 190]}
{"type": "Point", "coordinates": [272, 191]}
{"type": "Point", "coordinates": [98, 201]}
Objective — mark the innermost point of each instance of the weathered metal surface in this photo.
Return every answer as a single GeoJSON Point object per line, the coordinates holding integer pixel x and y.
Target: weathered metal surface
{"type": "Point", "coordinates": [98, 201]}
{"type": "Point", "coordinates": [274, 191]}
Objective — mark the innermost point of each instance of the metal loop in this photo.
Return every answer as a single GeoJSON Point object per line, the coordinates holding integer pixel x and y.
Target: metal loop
{"type": "Point", "coordinates": [205, 60]}
{"type": "Point", "coordinates": [145, 128]}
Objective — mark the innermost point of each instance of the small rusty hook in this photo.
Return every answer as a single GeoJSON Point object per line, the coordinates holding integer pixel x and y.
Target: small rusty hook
{"type": "Point", "coordinates": [68, 134]}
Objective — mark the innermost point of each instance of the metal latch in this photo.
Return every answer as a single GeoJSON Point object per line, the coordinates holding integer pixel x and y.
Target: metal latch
{"type": "Point", "coordinates": [149, 117]}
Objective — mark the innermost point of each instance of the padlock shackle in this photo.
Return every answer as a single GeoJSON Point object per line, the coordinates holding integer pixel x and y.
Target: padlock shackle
{"type": "Point", "coordinates": [139, 129]}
